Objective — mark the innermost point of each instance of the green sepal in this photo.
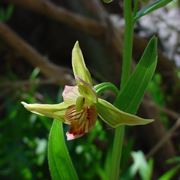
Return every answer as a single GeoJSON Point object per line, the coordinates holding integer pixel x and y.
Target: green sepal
{"type": "Point", "coordinates": [79, 67]}
{"type": "Point", "coordinates": [115, 117]}
{"type": "Point", "coordinates": [56, 111]}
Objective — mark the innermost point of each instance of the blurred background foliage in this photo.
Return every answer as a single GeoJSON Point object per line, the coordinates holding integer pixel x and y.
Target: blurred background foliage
{"type": "Point", "coordinates": [150, 152]}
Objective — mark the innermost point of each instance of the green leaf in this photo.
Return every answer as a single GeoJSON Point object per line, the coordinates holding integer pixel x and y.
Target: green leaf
{"type": "Point", "coordinates": [2, 14]}
{"type": "Point", "coordinates": [175, 159]}
{"type": "Point", "coordinates": [60, 163]}
{"type": "Point", "coordinates": [151, 7]}
{"type": "Point", "coordinates": [34, 74]}
{"type": "Point", "coordinates": [170, 173]}
{"type": "Point", "coordinates": [9, 12]}
{"type": "Point", "coordinates": [131, 95]}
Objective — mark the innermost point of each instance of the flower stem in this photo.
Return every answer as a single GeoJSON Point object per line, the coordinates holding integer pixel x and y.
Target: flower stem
{"type": "Point", "coordinates": [128, 42]}
{"type": "Point", "coordinates": [126, 70]}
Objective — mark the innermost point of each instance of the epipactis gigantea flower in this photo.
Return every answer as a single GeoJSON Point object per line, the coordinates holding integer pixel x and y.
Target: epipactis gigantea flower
{"type": "Point", "coordinates": [82, 106]}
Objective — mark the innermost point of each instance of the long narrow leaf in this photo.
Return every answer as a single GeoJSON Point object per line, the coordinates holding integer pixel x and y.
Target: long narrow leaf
{"type": "Point", "coordinates": [133, 92]}
{"type": "Point", "coordinates": [151, 7]}
{"type": "Point", "coordinates": [60, 164]}
{"type": "Point", "coordinates": [170, 173]}
{"type": "Point", "coordinates": [9, 12]}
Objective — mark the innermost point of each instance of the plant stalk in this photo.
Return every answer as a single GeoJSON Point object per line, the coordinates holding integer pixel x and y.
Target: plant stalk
{"type": "Point", "coordinates": [126, 70]}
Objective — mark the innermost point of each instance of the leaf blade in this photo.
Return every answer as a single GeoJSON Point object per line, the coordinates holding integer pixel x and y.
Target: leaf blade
{"type": "Point", "coordinates": [59, 161]}
{"type": "Point", "coordinates": [151, 7]}
{"type": "Point", "coordinates": [134, 90]}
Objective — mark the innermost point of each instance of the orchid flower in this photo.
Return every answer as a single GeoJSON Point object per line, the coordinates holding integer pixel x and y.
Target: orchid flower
{"type": "Point", "coordinates": [82, 106]}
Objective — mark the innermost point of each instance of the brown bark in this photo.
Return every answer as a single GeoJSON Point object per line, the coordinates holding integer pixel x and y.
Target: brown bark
{"type": "Point", "coordinates": [62, 15]}
{"type": "Point", "coordinates": [60, 75]}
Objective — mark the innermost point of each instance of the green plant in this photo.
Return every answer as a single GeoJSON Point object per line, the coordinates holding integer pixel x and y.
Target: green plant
{"type": "Point", "coordinates": [5, 14]}
{"type": "Point", "coordinates": [82, 104]}
{"type": "Point", "coordinates": [169, 174]}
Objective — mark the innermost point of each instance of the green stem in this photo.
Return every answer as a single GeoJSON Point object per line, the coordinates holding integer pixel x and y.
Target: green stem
{"type": "Point", "coordinates": [100, 88]}
{"type": "Point", "coordinates": [135, 10]}
{"type": "Point", "coordinates": [128, 42]}
{"type": "Point", "coordinates": [126, 70]}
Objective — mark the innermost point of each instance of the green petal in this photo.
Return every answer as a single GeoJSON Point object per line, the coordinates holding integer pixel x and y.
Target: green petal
{"type": "Point", "coordinates": [115, 117]}
{"type": "Point", "coordinates": [87, 91]}
{"type": "Point", "coordinates": [56, 111]}
{"type": "Point", "coordinates": [79, 68]}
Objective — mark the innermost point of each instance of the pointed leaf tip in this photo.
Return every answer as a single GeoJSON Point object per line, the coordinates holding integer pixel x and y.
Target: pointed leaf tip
{"type": "Point", "coordinates": [153, 41]}
{"type": "Point", "coordinates": [150, 53]}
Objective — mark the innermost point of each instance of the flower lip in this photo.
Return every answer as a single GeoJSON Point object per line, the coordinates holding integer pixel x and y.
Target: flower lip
{"type": "Point", "coordinates": [72, 136]}
{"type": "Point", "coordinates": [80, 121]}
